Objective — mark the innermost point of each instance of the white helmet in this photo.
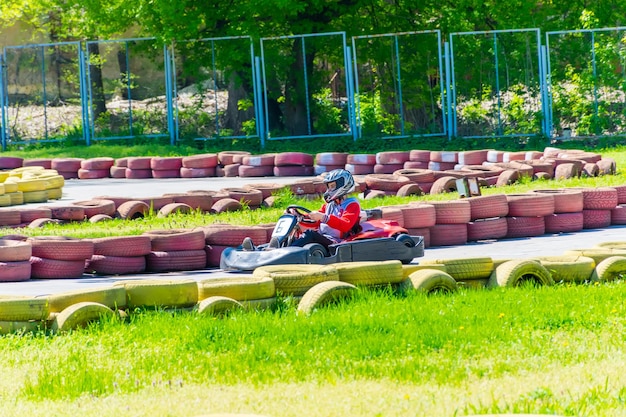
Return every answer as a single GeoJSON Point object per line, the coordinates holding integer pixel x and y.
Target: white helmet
{"type": "Point", "coordinates": [344, 184]}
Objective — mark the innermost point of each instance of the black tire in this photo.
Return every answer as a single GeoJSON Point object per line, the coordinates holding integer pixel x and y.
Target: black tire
{"type": "Point", "coordinates": [316, 250]}
{"type": "Point", "coordinates": [406, 239]}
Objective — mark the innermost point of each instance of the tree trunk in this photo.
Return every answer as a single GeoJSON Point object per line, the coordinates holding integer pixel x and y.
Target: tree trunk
{"type": "Point", "coordinates": [296, 118]}
{"type": "Point", "coordinates": [97, 86]}
{"type": "Point", "coordinates": [238, 90]}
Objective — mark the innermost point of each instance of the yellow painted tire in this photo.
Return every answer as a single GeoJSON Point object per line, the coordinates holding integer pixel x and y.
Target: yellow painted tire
{"type": "Point", "coordinates": [31, 185]}
{"type": "Point", "coordinates": [23, 309]}
{"type": "Point", "coordinates": [160, 293]}
{"type": "Point", "coordinates": [610, 269]}
{"type": "Point", "coordinates": [323, 294]}
{"type": "Point", "coordinates": [518, 271]}
{"type": "Point", "coordinates": [465, 268]}
{"type": "Point", "coordinates": [54, 193]}
{"type": "Point", "coordinates": [370, 272]}
{"type": "Point", "coordinates": [619, 245]}
{"type": "Point", "coordinates": [237, 288]}
{"type": "Point", "coordinates": [7, 327]}
{"type": "Point", "coordinates": [112, 297]}
{"type": "Point", "coordinates": [218, 306]}
{"type": "Point", "coordinates": [79, 315]}
{"type": "Point", "coordinates": [408, 269]}
{"type": "Point", "coordinates": [430, 281]}
{"type": "Point", "coordinates": [597, 254]}
{"type": "Point", "coordinates": [2, 189]}
{"type": "Point", "coordinates": [10, 187]}
{"type": "Point", "coordinates": [35, 196]}
{"type": "Point", "coordinates": [19, 172]}
{"type": "Point", "coordinates": [17, 198]}
{"type": "Point", "coordinates": [260, 304]}
{"type": "Point", "coordinates": [568, 268]}
{"type": "Point", "coordinates": [5, 200]}
{"type": "Point", "coordinates": [473, 284]}
{"type": "Point", "coordinates": [296, 279]}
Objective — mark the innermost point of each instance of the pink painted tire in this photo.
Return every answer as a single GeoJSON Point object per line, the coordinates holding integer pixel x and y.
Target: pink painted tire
{"type": "Point", "coordinates": [361, 159]}
{"type": "Point", "coordinates": [15, 250]}
{"type": "Point", "coordinates": [525, 226]}
{"type": "Point", "coordinates": [230, 170]}
{"type": "Point", "coordinates": [139, 162]}
{"type": "Point", "coordinates": [170, 163]}
{"type": "Point", "coordinates": [408, 190]}
{"type": "Point", "coordinates": [190, 260]}
{"type": "Point", "coordinates": [508, 177]}
{"type": "Point", "coordinates": [44, 268]}
{"type": "Point", "coordinates": [331, 158]}
{"type": "Point", "coordinates": [197, 172]}
{"type": "Point", "coordinates": [201, 161]}
{"type": "Point", "coordinates": [607, 166]}
{"type": "Point", "coordinates": [267, 189]}
{"type": "Point", "coordinates": [394, 214]}
{"type": "Point", "coordinates": [451, 211]}
{"type": "Point", "coordinates": [387, 168]}
{"type": "Point", "coordinates": [69, 212]}
{"type": "Point", "coordinates": [386, 182]}
{"type": "Point", "coordinates": [99, 163]}
{"type": "Point", "coordinates": [445, 184]}
{"type": "Point", "coordinates": [66, 164]}
{"type": "Point", "coordinates": [248, 196]}
{"type": "Point", "coordinates": [424, 232]}
{"type": "Point", "coordinates": [373, 194]}
{"type": "Point", "coordinates": [38, 162]}
{"type": "Point", "coordinates": [256, 171]}
{"type": "Point", "coordinates": [293, 171]}
{"type": "Point", "coordinates": [132, 210]}
{"type": "Point", "coordinates": [418, 155]}
{"type": "Point", "coordinates": [415, 165]}
{"type": "Point", "coordinates": [225, 204]}
{"type": "Point", "coordinates": [137, 174]}
{"type": "Point", "coordinates": [304, 187]}
{"type": "Point", "coordinates": [100, 218]}
{"type": "Point", "coordinates": [214, 254]}
{"type": "Point", "coordinates": [418, 216]}
{"type": "Point", "coordinates": [11, 162]}
{"type": "Point", "coordinates": [487, 206]}
{"type": "Point", "coordinates": [28, 214]}
{"type": "Point", "coordinates": [530, 204]}
{"type": "Point", "coordinates": [122, 246]}
{"type": "Point", "coordinates": [176, 239]}
{"type": "Point", "coordinates": [357, 169]}
{"type": "Point", "coordinates": [487, 229]}
{"type": "Point", "coordinates": [441, 166]}
{"type": "Point", "coordinates": [117, 172]}
{"type": "Point", "coordinates": [392, 157]}
{"type": "Point", "coordinates": [166, 173]}
{"type": "Point", "coordinates": [232, 235]}
{"type": "Point", "coordinates": [259, 160]}
{"type": "Point", "coordinates": [158, 202]}
{"type": "Point", "coordinates": [596, 218]}
{"type": "Point", "coordinates": [564, 222]}
{"type": "Point", "coordinates": [115, 265]}
{"type": "Point", "coordinates": [566, 200]}
{"type": "Point", "coordinates": [17, 271]}
{"type": "Point", "coordinates": [61, 248]}
{"type": "Point", "coordinates": [472, 157]}
{"type": "Point", "coordinates": [202, 202]}
{"type": "Point", "coordinates": [293, 158]}
{"type": "Point", "coordinates": [174, 208]}
{"type": "Point", "coordinates": [96, 206]}
{"type": "Point", "coordinates": [618, 215]}
{"type": "Point", "coordinates": [448, 234]}
{"type": "Point", "coordinates": [621, 193]}
{"type": "Point", "coordinates": [600, 198]}
{"type": "Point", "coordinates": [10, 217]}
{"type": "Point", "coordinates": [416, 175]}
{"type": "Point", "coordinates": [121, 162]}
{"type": "Point", "coordinates": [566, 171]}
{"type": "Point", "coordinates": [228, 157]}
{"type": "Point", "coordinates": [92, 174]}
{"type": "Point", "coordinates": [321, 169]}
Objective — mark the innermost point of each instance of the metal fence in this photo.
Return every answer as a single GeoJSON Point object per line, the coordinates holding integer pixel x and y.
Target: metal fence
{"type": "Point", "coordinates": [410, 84]}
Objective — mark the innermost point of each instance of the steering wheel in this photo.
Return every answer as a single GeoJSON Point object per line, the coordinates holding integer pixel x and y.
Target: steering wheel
{"type": "Point", "coordinates": [300, 212]}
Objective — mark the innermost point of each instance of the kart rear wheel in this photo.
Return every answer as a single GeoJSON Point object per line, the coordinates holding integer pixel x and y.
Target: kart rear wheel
{"type": "Point", "coordinates": [406, 239]}
{"type": "Point", "coordinates": [316, 250]}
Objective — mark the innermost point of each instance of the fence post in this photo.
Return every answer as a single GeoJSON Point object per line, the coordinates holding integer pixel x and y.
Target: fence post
{"type": "Point", "coordinates": [169, 89]}
{"type": "Point", "coordinates": [546, 126]}
{"type": "Point", "coordinates": [84, 100]}
{"type": "Point", "coordinates": [259, 112]}
{"type": "Point", "coordinates": [350, 93]}
{"type": "Point", "coordinates": [449, 79]}
{"type": "Point", "coordinates": [3, 119]}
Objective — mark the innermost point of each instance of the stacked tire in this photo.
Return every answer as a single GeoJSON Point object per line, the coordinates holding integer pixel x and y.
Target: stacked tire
{"type": "Point", "coordinates": [176, 250]}
{"type": "Point", "coordinates": [119, 255]}
{"type": "Point", "coordinates": [58, 257]}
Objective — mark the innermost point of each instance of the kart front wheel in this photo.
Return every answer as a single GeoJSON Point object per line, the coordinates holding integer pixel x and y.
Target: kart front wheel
{"type": "Point", "coordinates": [406, 240]}
{"type": "Point", "coordinates": [316, 250]}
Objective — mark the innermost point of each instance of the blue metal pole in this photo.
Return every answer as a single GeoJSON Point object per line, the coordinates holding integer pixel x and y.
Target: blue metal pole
{"type": "Point", "coordinates": [453, 82]}
{"type": "Point", "coordinates": [258, 101]}
{"type": "Point", "coordinates": [356, 95]}
{"type": "Point", "coordinates": [83, 94]}
{"type": "Point", "coordinates": [43, 92]}
{"type": "Point", "coordinates": [350, 92]}
{"type": "Point", "coordinates": [442, 81]}
{"type": "Point", "coordinates": [168, 57]}
{"type": "Point", "coordinates": [447, 78]}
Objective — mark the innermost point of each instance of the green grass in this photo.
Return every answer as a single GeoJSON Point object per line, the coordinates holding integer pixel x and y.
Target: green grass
{"type": "Point", "coordinates": [504, 350]}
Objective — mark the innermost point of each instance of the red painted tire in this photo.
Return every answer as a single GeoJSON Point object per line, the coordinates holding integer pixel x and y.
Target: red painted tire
{"type": "Point", "coordinates": [66, 164]}
{"type": "Point", "coordinates": [69, 212]}
{"type": "Point", "coordinates": [231, 235]}
{"type": "Point", "coordinates": [176, 239]}
{"type": "Point", "coordinates": [61, 248]}
{"type": "Point", "coordinates": [361, 159]}
{"type": "Point", "coordinates": [486, 229]}
{"type": "Point", "coordinates": [451, 211]}
{"type": "Point", "coordinates": [41, 222]}
{"type": "Point", "coordinates": [10, 217]}
{"type": "Point", "coordinates": [15, 250]}
{"type": "Point", "coordinates": [132, 210]}
{"type": "Point", "coordinates": [225, 204]}
{"type": "Point", "coordinates": [259, 160]}
{"type": "Point", "coordinates": [331, 158]}
{"type": "Point", "coordinates": [303, 187]}
{"type": "Point", "coordinates": [293, 171]}
{"type": "Point", "coordinates": [621, 193]}
{"type": "Point", "coordinates": [115, 265]}
{"type": "Point", "coordinates": [158, 202]}
{"type": "Point", "coordinates": [201, 161]}
{"type": "Point", "coordinates": [530, 204]}
{"type": "Point", "coordinates": [293, 158]}
{"type": "Point", "coordinates": [248, 196]}
{"type": "Point", "coordinates": [137, 174]}
{"type": "Point", "coordinates": [254, 171]}
{"type": "Point", "coordinates": [386, 182]}
{"type": "Point", "coordinates": [525, 226]}
{"type": "Point", "coordinates": [322, 169]}
{"type": "Point", "coordinates": [100, 218]}
{"type": "Point", "coordinates": [416, 175]}
{"type": "Point", "coordinates": [17, 271]}
{"type": "Point", "coordinates": [448, 234]}
{"type": "Point", "coordinates": [92, 174]}
{"type": "Point", "coordinates": [444, 156]}
{"type": "Point", "coordinates": [96, 206]}
{"type": "Point", "coordinates": [214, 254]}
{"type": "Point", "coordinates": [117, 172]}
{"type": "Point", "coordinates": [189, 260]}
{"type": "Point", "coordinates": [441, 166]}
{"type": "Point", "coordinates": [167, 163]}
{"type": "Point", "coordinates": [607, 166]}
{"type": "Point", "coordinates": [508, 177]}
{"type": "Point", "coordinates": [166, 173]}
{"type": "Point", "coordinates": [99, 163]}
{"type": "Point", "coordinates": [38, 162]}
{"type": "Point", "coordinates": [387, 168]}
{"type": "Point", "coordinates": [415, 165]}
{"type": "Point", "coordinates": [174, 208]}
{"type": "Point", "coordinates": [68, 175]}
{"type": "Point", "coordinates": [618, 214]}
{"type": "Point", "coordinates": [44, 268]}
{"type": "Point", "coordinates": [357, 169]}
{"type": "Point", "coordinates": [445, 184]}
{"type": "Point", "coordinates": [121, 162]}
{"type": "Point", "coordinates": [487, 206]}
{"type": "Point", "coordinates": [267, 189]}
{"type": "Point", "coordinates": [392, 157]}
{"type": "Point", "coordinates": [197, 172]}
{"type": "Point", "coordinates": [122, 246]}
{"type": "Point", "coordinates": [138, 162]}
{"type": "Point", "coordinates": [11, 162]}
{"type": "Point", "coordinates": [566, 171]}
{"type": "Point", "coordinates": [418, 155]}
{"type": "Point", "coordinates": [409, 190]}
{"type": "Point", "coordinates": [230, 170]}
{"type": "Point", "coordinates": [424, 232]}
{"type": "Point", "coordinates": [566, 200]}
{"type": "Point", "coordinates": [472, 157]}
{"type": "Point", "coordinates": [514, 156]}
{"type": "Point", "coordinates": [202, 202]}
{"type": "Point", "coordinates": [596, 218]}
{"type": "Point", "coordinates": [600, 198]}
{"type": "Point", "coordinates": [418, 216]}
{"type": "Point", "coordinates": [228, 157]}
{"type": "Point", "coordinates": [564, 222]}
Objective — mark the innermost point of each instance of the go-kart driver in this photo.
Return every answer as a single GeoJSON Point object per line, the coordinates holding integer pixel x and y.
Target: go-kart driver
{"type": "Point", "coordinates": [337, 219]}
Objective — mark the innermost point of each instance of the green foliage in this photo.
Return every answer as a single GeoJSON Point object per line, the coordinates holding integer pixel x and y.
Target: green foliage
{"type": "Point", "coordinates": [374, 119]}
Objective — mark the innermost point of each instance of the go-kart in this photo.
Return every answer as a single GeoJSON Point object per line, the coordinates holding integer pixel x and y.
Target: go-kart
{"type": "Point", "coordinates": [378, 240]}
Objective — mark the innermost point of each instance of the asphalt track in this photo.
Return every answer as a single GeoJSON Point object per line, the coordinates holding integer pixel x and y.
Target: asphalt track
{"type": "Point", "coordinates": [80, 190]}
